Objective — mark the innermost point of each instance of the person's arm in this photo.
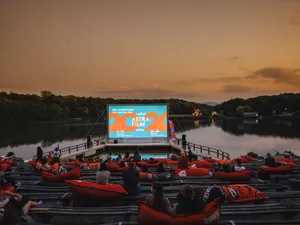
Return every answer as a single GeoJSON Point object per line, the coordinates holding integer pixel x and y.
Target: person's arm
{"type": "Point", "coordinates": [14, 195]}
{"type": "Point", "coordinates": [169, 208]}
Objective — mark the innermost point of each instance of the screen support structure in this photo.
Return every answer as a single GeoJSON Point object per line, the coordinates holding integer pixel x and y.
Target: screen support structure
{"type": "Point", "coordinates": [101, 114]}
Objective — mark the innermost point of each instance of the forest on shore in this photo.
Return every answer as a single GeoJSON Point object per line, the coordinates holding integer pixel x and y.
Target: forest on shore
{"type": "Point", "coordinates": [50, 107]}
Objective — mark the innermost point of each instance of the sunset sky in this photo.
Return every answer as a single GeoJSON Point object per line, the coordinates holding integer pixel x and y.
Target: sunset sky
{"type": "Point", "coordinates": [199, 50]}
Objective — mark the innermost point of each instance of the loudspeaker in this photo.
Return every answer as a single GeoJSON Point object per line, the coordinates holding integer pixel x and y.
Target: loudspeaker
{"type": "Point", "coordinates": [115, 141]}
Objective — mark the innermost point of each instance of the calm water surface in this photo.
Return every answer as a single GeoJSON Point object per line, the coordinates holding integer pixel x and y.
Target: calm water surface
{"type": "Point", "coordinates": [234, 137]}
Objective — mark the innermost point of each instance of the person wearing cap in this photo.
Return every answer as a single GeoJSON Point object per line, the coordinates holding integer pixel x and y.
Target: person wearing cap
{"type": "Point", "coordinates": [182, 161]}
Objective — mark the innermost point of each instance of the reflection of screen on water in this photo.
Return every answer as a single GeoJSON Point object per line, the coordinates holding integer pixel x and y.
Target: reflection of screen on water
{"type": "Point", "coordinates": [137, 121]}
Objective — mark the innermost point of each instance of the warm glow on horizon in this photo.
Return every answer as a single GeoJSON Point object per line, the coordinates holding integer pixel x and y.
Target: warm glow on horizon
{"type": "Point", "coordinates": [196, 50]}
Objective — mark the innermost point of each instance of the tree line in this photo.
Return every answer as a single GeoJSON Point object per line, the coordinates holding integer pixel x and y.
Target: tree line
{"type": "Point", "coordinates": [264, 105]}
{"type": "Point", "coordinates": [50, 107]}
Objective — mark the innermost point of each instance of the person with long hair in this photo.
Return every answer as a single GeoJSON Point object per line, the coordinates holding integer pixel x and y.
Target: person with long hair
{"type": "Point", "coordinates": [158, 201]}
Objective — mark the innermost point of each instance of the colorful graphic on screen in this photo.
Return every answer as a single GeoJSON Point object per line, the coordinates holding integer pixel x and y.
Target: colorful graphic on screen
{"type": "Point", "coordinates": [137, 121]}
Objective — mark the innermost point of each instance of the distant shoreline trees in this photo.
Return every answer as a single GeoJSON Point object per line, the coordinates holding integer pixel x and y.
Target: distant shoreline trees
{"type": "Point", "coordinates": [51, 107]}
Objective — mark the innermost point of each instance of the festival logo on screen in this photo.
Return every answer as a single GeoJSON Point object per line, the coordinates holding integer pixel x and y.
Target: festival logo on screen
{"type": "Point", "coordinates": [137, 121]}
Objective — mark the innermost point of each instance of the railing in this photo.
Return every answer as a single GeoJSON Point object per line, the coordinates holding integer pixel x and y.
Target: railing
{"type": "Point", "coordinates": [79, 147]}
{"type": "Point", "coordinates": [203, 150]}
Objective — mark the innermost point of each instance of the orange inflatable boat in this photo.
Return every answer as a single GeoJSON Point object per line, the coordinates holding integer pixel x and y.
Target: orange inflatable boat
{"type": "Point", "coordinates": [90, 190]}
{"type": "Point", "coordinates": [210, 215]}
{"type": "Point", "coordinates": [238, 193]}
{"type": "Point", "coordinates": [115, 168]}
{"type": "Point", "coordinates": [275, 170]}
{"type": "Point", "coordinates": [73, 174]}
{"type": "Point", "coordinates": [201, 164]}
{"type": "Point", "coordinates": [233, 176]}
{"type": "Point", "coordinates": [193, 172]}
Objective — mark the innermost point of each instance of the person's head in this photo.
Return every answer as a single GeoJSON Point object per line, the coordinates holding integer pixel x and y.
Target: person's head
{"type": "Point", "coordinates": [103, 167]}
{"type": "Point", "coordinates": [268, 154]}
{"type": "Point", "coordinates": [239, 162]}
{"type": "Point", "coordinates": [188, 191]}
{"type": "Point", "coordinates": [136, 152]}
{"type": "Point", "coordinates": [10, 155]}
{"type": "Point", "coordinates": [56, 149]}
{"type": "Point", "coordinates": [157, 189]}
{"type": "Point", "coordinates": [122, 164]}
{"type": "Point", "coordinates": [119, 156]}
{"type": "Point", "coordinates": [50, 154]}
{"type": "Point", "coordinates": [127, 154]}
{"type": "Point", "coordinates": [145, 169]}
{"type": "Point", "coordinates": [130, 165]}
{"type": "Point", "coordinates": [161, 166]}
{"type": "Point", "coordinates": [182, 154]}
{"type": "Point", "coordinates": [39, 149]}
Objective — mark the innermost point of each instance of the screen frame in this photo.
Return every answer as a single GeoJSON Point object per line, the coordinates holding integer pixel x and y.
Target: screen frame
{"type": "Point", "coordinates": [128, 138]}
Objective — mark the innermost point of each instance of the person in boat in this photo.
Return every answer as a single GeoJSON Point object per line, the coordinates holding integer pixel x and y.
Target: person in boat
{"type": "Point", "coordinates": [103, 175]}
{"type": "Point", "coordinates": [119, 158]}
{"type": "Point", "coordinates": [188, 202]}
{"type": "Point", "coordinates": [183, 161]}
{"type": "Point", "coordinates": [56, 155]}
{"type": "Point", "coordinates": [152, 161]}
{"type": "Point", "coordinates": [127, 157]}
{"type": "Point", "coordinates": [137, 156]}
{"type": "Point", "coordinates": [160, 168]}
{"type": "Point", "coordinates": [173, 156]}
{"type": "Point", "coordinates": [271, 162]}
{"type": "Point", "coordinates": [158, 201]}
{"type": "Point", "coordinates": [131, 180]}
{"type": "Point", "coordinates": [238, 166]}
{"type": "Point", "coordinates": [39, 153]}
{"type": "Point", "coordinates": [8, 181]}
{"type": "Point", "coordinates": [49, 157]}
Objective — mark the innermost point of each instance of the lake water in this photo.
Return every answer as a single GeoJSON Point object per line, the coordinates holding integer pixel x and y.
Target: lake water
{"type": "Point", "coordinates": [234, 137]}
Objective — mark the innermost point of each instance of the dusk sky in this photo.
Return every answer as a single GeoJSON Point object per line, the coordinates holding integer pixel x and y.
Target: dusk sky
{"type": "Point", "coordinates": [199, 50]}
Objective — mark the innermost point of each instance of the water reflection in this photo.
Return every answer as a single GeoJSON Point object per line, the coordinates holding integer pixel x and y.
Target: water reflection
{"type": "Point", "coordinates": [234, 136]}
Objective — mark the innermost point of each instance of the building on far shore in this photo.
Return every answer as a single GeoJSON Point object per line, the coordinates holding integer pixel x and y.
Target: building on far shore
{"type": "Point", "coordinates": [250, 114]}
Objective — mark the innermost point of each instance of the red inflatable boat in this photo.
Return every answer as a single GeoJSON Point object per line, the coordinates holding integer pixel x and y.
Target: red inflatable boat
{"type": "Point", "coordinates": [73, 174]}
{"type": "Point", "coordinates": [90, 190]}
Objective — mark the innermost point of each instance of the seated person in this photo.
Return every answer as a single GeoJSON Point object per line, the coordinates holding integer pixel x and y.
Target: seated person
{"type": "Point", "coordinates": [160, 168]}
{"type": "Point", "coordinates": [127, 157]}
{"type": "Point", "coordinates": [152, 161]}
{"type": "Point", "coordinates": [187, 202]}
{"type": "Point", "coordinates": [16, 207]}
{"type": "Point", "coordinates": [137, 156]}
{"type": "Point", "coordinates": [145, 169]}
{"type": "Point", "coordinates": [173, 156]}
{"type": "Point", "coordinates": [158, 201]}
{"type": "Point", "coordinates": [119, 157]}
{"type": "Point", "coordinates": [271, 162]}
{"type": "Point", "coordinates": [183, 161]}
{"type": "Point", "coordinates": [227, 167]}
{"type": "Point", "coordinates": [8, 180]}
{"type": "Point", "coordinates": [238, 167]}
{"type": "Point", "coordinates": [131, 180]}
{"type": "Point", "coordinates": [122, 164]}
{"type": "Point", "coordinates": [103, 175]}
